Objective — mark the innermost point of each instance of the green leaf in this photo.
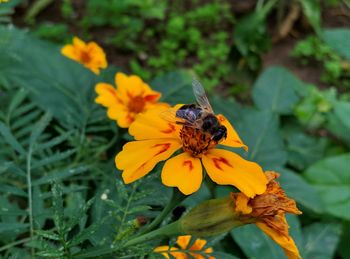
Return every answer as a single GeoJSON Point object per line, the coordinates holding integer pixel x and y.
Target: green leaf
{"type": "Point", "coordinates": [55, 83]}
{"type": "Point", "coordinates": [343, 247]}
{"type": "Point", "coordinates": [15, 227]}
{"type": "Point", "coordinates": [10, 139]}
{"type": "Point", "coordinates": [256, 244]}
{"type": "Point", "coordinates": [335, 38]}
{"type": "Point", "coordinates": [57, 205]}
{"type": "Point", "coordinates": [297, 188]}
{"type": "Point", "coordinates": [312, 10]}
{"type": "Point", "coordinates": [342, 111]}
{"type": "Point", "coordinates": [331, 179]}
{"type": "Point", "coordinates": [60, 174]}
{"type": "Point", "coordinates": [321, 240]}
{"type": "Point", "coordinates": [275, 90]}
{"type": "Point", "coordinates": [304, 150]}
{"type": "Point", "coordinates": [47, 234]}
{"type": "Point", "coordinates": [176, 87]}
{"type": "Point", "coordinates": [39, 127]}
{"type": "Point", "coordinates": [264, 141]}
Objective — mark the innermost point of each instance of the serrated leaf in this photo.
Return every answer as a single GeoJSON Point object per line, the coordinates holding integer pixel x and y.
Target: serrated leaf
{"type": "Point", "coordinates": [61, 174]}
{"type": "Point", "coordinates": [331, 179]}
{"type": "Point", "coordinates": [39, 128]}
{"type": "Point", "coordinates": [51, 253]}
{"type": "Point", "coordinates": [54, 158]}
{"type": "Point", "coordinates": [10, 139]}
{"type": "Point", "coordinates": [57, 205]}
{"type": "Point", "coordinates": [275, 90]}
{"type": "Point", "coordinates": [47, 234]}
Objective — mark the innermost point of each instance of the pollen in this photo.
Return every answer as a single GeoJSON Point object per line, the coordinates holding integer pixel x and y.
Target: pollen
{"type": "Point", "coordinates": [136, 104]}
{"type": "Point", "coordinates": [195, 141]}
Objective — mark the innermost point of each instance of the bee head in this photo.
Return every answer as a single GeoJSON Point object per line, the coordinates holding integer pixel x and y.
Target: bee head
{"type": "Point", "coordinates": [220, 133]}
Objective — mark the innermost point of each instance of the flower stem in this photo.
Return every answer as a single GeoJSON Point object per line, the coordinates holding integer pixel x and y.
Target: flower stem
{"type": "Point", "coordinates": [176, 199]}
{"type": "Point", "coordinates": [168, 230]}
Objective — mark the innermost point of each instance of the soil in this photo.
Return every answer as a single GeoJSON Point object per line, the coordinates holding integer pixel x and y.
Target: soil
{"type": "Point", "coordinates": [279, 53]}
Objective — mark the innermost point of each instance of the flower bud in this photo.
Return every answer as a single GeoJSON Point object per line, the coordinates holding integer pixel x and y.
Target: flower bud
{"type": "Point", "coordinates": [211, 218]}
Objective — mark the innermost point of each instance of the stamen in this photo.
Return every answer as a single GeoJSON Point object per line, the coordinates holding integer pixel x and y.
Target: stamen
{"type": "Point", "coordinates": [136, 104]}
{"type": "Point", "coordinates": [196, 142]}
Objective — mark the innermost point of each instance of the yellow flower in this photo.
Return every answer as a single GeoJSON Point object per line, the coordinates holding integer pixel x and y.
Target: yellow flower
{"type": "Point", "coordinates": [131, 97]}
{"type": "Point", "coordinates": [183, 242]}
{"type": "Point", "coordinates": [157, 139]}
{"type": "Point", "coordinates": [268, 212]}
{"type": "Point", "coordinates": [3, 1]}
{"type": "Point", "coordinates": [89, 54]}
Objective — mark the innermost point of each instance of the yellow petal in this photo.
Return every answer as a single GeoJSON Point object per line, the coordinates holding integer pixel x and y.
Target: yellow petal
{"type": "Point", "coordinates": [138, 158]}
{"type": "Point", "coordinates": [183, 241]}
{"type": "Point", "coordinates": [130, 86]}
{"type": "Point", "coordinates": [184, 172]}
{"type": "Point", "coordinates": [70, 52]}
{"type": "Point", "coordinates": [227, 168]}
{"type": "Point", "coordinates": [120, 113]}
{"type": "Point", "coordinates": [286, 242]}
{"type": "Point", "coordinates": [241, 203]}
{"type": "Point", "coordinates": [165, 250]}
{"type": "Point", "coordinates": [150, 125]}
{"type": "Point", "coordinates": [78, 43]}
{"type": "Point", "coordinates": [233, 139]}
{"type": "Point", "coordinates": [107, 95]}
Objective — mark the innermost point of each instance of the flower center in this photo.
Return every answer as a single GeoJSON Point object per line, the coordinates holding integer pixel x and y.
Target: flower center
{"type": "Point", "coordinates": [136, 104]}
{"type": "Point", "coordinates": [85, 57]}
{"type": "Point", "coordinates": [195, 141]}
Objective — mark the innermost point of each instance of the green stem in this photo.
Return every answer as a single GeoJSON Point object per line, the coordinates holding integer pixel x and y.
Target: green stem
{"type": "Point", "coordinates": [176, 199]}
{"type": "Point", "coordinates": [30, 204]}
{"type": "Point", "coordinates": [168, 230]}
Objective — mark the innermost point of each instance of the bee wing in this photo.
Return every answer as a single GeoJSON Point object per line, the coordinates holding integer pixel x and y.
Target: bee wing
{"type": "Point", "coordinates": [200, 95]}
{"type": "Point", "coordinates": [170, 116]}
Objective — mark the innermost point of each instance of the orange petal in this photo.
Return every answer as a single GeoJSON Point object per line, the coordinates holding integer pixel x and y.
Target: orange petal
{"type": "Point", "coordinates": [225, 167]}
{"type": "Point", "coordinates": [184, 172]}
{"type": "Point", "coordinates": [121, 115]}
{"type": "Point", "coordinates": [70, 52]}
{"type": "Point", "coordinates": [107, 95]}
{"type": "Point", "coordinates": [183, 241]}
{"type": "Point", "coordinates": [130, 86]}
{"type": "Point", "coordinates": [165, 250]}
{"type": "Point", "coordinates": [78, 43]}
{"type": "Point", "coordinates": [286, 242]}
{"type": "Point", "coordinates": [150, 125]}
{"type": "Point", "coordinates": [138, 158]}
{"type": "Point", "coordinates": [232, 140]}
{"type": "Point", "coordinates": [241, 203]}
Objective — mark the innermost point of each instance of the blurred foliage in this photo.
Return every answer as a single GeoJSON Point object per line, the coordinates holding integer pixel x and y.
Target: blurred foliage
{"type": "Point", "coordinates": [60, 183]}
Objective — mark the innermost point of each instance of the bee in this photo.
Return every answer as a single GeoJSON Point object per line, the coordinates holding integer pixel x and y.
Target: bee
{"type": "Point", "coordinates": [199, 116]}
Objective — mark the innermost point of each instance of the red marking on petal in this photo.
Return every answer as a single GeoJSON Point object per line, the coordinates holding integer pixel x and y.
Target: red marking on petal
{"type": "Point", "coordinates": [171, 129]}
{"type": "Point", "coordinates": [218, 161]}
{"type": "Point", "coordinates": [164, 147]}
{"type": "Point", "coordinates": [189, 164]}
{"type": "Point", "coordinates": [151, 97]}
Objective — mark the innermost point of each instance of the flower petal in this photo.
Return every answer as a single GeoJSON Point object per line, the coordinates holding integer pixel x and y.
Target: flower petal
{"type": "Point", "coordinates": [70, 52]}
{"type": "Point", "coordinates": [78, 43]}
{"type": "Point", "coordinates": [107, 95]}
{"type": "Point", "coordinates": [286, 242]}
{"type": "Point", "coordinates": [139, 157]}
{"type": "Point", "coordinates": [183, 241]}
{"type": "Point", "coordinates": [233, 139]}
{"type": "Point", "coordinates": [150, 125]}
{"type": "Point", "coordinates": [165, 251]}
{"type": "Point", "coordinates": [225, 167]}
{"type": "Point", "coordinates": [131, 86]}
{"type": "Point", "coordinates": [184, 172]}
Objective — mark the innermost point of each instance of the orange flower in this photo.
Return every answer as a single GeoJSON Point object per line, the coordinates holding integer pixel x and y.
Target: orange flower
{"type": "Point", "coordinates": [157, 139]}
{"type": "Point", "coordinates": [267, 211]}
{"type": "Point", "coordinates": [131, 97]}
{"type": "Point", "coordinates": [89, 54]}
{"type": "Point", "coordinates": [183, 242]}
